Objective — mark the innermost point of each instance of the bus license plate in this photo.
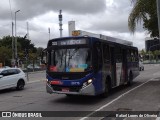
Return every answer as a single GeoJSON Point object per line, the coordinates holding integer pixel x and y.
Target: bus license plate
{"type": "Point", "coordinates": [65, 89]}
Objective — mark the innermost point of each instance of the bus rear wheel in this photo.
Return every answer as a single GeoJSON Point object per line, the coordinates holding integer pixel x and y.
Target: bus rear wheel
{"type": "Point", "coordinates": [130, 81]}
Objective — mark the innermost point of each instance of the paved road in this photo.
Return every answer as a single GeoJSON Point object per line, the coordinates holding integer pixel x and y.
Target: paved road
{"type": "Point", "coordinates": [36, 76]}
{"type": "Point", "coordinates": [144, 94]}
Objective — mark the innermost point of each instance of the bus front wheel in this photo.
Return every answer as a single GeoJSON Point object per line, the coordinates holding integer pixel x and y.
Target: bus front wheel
{"type": "Point", "coordinates": [106, 89]}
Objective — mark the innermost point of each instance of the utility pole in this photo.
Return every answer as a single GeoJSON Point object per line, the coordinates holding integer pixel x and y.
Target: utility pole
{"type": "Point", "coordinates": [26, 50]}
{"type": "Point", "coordinates": [60, 22]}
{"type": "Point", "coordinates": [16, 57]}
{"type": "Point", "coordinates": [13, 48]}
{"type": "Point", "coordinates": [158, 15]}
{"type": "Point", "coordinates": [27, 30]}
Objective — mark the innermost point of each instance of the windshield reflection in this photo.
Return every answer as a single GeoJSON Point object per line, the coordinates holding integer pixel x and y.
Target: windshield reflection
{"type": "Point", "coordinates": [70, 60]}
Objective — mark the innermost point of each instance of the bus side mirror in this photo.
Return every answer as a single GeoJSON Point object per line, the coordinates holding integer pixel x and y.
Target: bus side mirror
{"type": "Point", "coordinates": [43, 60]}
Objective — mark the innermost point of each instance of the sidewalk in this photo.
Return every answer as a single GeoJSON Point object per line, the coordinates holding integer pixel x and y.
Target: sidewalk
{"type": "Point", "coordinates": [36, 76]}
{"type": "Point", "coordinates": [143, 100]}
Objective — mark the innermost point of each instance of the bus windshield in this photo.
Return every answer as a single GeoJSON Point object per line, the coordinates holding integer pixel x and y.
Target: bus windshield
{"type": "Point", "coordinates": [70, 60]}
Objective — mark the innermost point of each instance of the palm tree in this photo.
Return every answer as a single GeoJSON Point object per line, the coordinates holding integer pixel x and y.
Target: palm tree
{"type": "Point", "coordinates": [146, 11]}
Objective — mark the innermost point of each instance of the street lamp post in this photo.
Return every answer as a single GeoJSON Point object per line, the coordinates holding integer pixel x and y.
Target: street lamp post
{"type": "Point", "coordinates": [16, 38]}
{"type": "Point", "coordinates": [13, 49]}
{"type": "Point", "coordinates": [158, 15]}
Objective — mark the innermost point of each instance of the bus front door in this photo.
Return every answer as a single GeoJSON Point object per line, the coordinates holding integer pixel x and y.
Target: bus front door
{"type": "Point", "coordinates": [113, 67]}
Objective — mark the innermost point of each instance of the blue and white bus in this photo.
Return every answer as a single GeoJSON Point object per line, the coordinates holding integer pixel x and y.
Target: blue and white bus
{"type": "Point", "coordinates": [83, 65]}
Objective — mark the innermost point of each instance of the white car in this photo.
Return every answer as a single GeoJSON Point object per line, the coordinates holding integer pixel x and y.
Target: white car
{"type": "Point", "coordinates": [12, 78]}
{"type": "Point", "coordinates": [31, 66]}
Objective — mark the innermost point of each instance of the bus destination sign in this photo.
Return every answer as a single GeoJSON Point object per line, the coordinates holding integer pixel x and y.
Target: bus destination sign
{"type": "Point", "coordinates": [70, 42]}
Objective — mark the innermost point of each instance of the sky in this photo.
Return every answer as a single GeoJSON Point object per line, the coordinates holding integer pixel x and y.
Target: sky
{"type": "Point", "coordinates": [107, 17]}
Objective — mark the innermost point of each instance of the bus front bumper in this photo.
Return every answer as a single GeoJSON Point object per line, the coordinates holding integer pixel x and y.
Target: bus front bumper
{"type": "Point", "coordinates": [87, 90]}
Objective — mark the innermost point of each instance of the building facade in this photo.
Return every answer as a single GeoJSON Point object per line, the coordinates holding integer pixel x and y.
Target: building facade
{"type": "Point", "coordinates": [152, 44]}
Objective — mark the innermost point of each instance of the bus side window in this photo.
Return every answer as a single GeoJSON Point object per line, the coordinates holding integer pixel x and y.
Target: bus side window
{"type": "Point", "coordinates": [106, 54]}
{"type": "Point", "coordinates": [98, 56]}
{"type": "Point", "coordinates": [118, 54]}
{"type": "Point", "coordinates": [133, 56]}
{"type": "Point", "coordinates": [129, 56]}
{"type": "Point", "coordinates": [136, 56]}
{"type": "Point", "coordinates": [88, 57]}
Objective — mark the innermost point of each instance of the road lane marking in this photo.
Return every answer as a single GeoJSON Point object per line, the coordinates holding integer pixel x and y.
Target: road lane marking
{"type": "Point", "coordinates": [158, 118]}
{"type": "Point", "coordinates": [114, 100]}
{"type": "Point", "coordinates": [157, 73]}
{"type": "Point", "coordinates": [155, 79]}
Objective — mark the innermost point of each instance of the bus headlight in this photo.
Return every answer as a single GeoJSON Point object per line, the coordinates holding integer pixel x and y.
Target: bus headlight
{"type": "Point", "coordinates": [87, 83]}
{"type": "Point", "coordinates": [47, 81]}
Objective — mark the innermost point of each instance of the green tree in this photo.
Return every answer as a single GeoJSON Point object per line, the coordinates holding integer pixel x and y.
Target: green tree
{"type": "Point", "coordinates": [6, 41]}
{"type": "Point", "coordinates": [5, 56]}
{"type": "Point", "coordinates": [143, 54]}
{"type": "Point", "coordinates": [156, 53]}
{"type": "Point", "coordinates": [39, 51]}
{"type": "Point", "coordinates": [22, 44]}
{"type": "Point", "coordinates": [146, 11]}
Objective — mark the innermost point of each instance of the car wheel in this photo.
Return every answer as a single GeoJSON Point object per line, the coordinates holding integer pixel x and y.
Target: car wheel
{"type": "Point", "coordinates": [20, 85]}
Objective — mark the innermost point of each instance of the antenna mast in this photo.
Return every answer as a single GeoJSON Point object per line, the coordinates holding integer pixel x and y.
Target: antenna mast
{"type": "Point", "coordinates": [60, 22]}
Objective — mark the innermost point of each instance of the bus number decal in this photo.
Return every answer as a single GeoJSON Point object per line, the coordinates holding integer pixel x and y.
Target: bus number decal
{"type": "Point", "coordinates": [75, 83]}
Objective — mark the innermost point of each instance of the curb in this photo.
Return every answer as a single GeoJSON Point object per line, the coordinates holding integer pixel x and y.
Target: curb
{"type": "Point", "coordinates": [33, 81]}
{"type": "Point", "coordinates": [35, 72]}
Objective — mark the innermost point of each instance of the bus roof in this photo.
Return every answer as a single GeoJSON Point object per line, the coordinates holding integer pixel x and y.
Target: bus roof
{"type": "Point", "coordinates": [111, 40]}
{"type": "Point", "coordinates": [100, 36]}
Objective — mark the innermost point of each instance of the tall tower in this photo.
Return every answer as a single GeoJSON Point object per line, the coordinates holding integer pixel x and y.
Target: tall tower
{"type": "Point", "coordinates": [71, 27]}
{"type": "Point", "coordinates": [60, 22]}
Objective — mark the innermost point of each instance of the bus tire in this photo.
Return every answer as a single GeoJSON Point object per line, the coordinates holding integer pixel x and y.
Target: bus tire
{"type": "Point", "coordinates": [130, 79]}
{"type": "Point", "coordinates": [106, 89]}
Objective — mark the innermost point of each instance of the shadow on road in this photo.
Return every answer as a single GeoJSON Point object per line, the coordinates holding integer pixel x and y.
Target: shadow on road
{"type": "Point", "coordinates": [7, 90]}
{"type": "Point", "coordinates": [78, 99]}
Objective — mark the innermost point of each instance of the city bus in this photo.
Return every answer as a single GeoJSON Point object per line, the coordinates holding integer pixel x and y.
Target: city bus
{"type": "Point", "coordinates": [85, 65]}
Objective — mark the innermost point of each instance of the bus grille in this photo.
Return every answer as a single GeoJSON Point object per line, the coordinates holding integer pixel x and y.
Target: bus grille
{"type": "Point", "coordinates": [71, 88]}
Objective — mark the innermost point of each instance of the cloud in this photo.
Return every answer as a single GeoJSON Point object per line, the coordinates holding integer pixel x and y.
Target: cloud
{"type": "Point", "coordinates": [108, 17]}
{"type": "Point", "coordinates": [5, 28]}
{"type": "Point", "coordinates": [32, 8]}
